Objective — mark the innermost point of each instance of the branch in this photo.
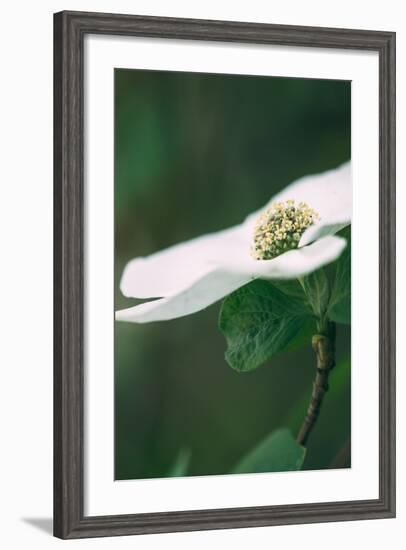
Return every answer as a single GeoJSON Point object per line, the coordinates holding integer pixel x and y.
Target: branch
{"type": "Point", "coordinates": [324, 348]}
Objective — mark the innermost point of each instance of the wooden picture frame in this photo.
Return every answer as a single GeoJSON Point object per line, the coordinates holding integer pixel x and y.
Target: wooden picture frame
{"type": "Point", "coordinates": [70, 30]}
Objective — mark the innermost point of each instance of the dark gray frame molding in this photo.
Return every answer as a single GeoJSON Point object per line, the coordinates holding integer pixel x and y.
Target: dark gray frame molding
{"type": "Point", "coordinates": [69, 31]}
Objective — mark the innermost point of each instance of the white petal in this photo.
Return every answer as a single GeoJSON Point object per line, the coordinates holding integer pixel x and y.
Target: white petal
{"type": "Point", "coordinates": [329, 193]}
{"type": "Point", "coordinates": [320, 230]}
{"type": "Point", "coordinates": [294, 263]}
{"type": "Point", "coordinates": [221, 281]}
{"type": "Point", "coordinates": [171, 270]}
{"type": "Point", "coordinates": [195, 274]}
{"type": "Point", "coordinates": [200, 294]}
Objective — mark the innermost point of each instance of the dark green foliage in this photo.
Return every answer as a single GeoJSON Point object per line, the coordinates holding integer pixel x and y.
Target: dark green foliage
{"type": "Point", "coordinates": [278, 452]}
{"type": "Point", "coordinates": [340, 303]}
{"type": "Point", "coordinates": [180, 467]}
{"type": "Point", "coordinates": [258, 321]}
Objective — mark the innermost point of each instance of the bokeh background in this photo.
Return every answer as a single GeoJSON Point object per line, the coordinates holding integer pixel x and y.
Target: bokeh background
{"type": "Point", "coordinates": [196, 153]}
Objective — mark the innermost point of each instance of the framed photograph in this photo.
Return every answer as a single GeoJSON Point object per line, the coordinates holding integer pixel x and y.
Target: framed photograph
{"type": "Point", "coordinates": [224, 274]}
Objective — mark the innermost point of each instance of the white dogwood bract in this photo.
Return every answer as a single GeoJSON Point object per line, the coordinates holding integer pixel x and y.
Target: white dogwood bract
{"type": "Point", "coordinates": [191, 276]}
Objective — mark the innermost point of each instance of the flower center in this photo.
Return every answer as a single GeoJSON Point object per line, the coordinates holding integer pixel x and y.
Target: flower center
{"type": "Point", "coordinates": [280, 228]}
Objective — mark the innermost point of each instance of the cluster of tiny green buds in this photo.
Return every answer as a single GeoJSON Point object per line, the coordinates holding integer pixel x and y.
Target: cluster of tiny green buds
{"type": "Point", "coordinates": [280, 228]}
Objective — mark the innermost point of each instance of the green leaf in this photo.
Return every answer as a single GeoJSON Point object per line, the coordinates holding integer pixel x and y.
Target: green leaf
{"type": "Point", "coordinates": [317, 290]}
{"type": "Point", "coordinates": [279, 452]}
{"type": "Point", "coordinates": [290, 287]}
{"type": "Point", "coordinates": [339, 309]}
{"type": "Point", "coordinates": [303, 337]}
{"type": "Point", "coordinates": [258, 321]}
{"type": "Point", "coordinates": [181, 464]}
{"type": "Point", "coordinates": [314, 289]}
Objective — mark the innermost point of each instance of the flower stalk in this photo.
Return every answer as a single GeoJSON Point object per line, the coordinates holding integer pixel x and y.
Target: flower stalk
{"type": "Point", "coordinates": [323, 345]}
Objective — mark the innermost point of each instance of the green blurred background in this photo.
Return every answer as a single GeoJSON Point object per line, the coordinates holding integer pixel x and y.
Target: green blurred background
{"type": "Point", "coordinates": [196, 153]}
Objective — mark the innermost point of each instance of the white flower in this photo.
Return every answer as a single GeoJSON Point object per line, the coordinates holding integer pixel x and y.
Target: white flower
{"type": "Point", "coordinates": [192, 275]}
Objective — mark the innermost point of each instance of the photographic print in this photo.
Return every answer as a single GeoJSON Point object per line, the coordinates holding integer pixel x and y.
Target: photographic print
{"type": "Point", "coordinates": [233, 204]}
{"type": "Point", "coordinates": [222, 337]}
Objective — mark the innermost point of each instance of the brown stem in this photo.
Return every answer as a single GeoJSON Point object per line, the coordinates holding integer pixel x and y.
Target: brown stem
{"type": "Point", "coordinates": [324, 348]}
